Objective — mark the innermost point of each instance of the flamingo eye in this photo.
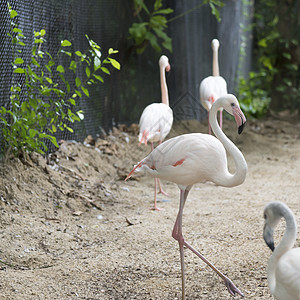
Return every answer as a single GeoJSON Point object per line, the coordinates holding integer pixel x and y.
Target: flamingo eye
{"type": "Point", "coordinates": [232, 104]}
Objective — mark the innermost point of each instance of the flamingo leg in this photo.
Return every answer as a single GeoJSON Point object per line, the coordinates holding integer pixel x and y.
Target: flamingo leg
{"type": "Point", "coordinates": [155, 197]}
{"type": "Point", "coordinates": [155, 187]}
{"type": "Point", "coordinates": [177, 235]}
{"type": "Point", "coordinates": [221, 118]}
{"type": "Point", "coordinates": [161, 191]}
{"type": "Point", "coordinates": [209, 128]}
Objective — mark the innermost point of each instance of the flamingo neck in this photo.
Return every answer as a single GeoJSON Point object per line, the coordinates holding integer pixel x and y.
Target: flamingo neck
{"type": "Point", "coordinates": [286, 243]}
{"type": "Point", "coordinates": [163, 86]}
{"type": "Point", "coordinates": [216, 71]}
{"type": "Point", "coordinates": [227, 179]}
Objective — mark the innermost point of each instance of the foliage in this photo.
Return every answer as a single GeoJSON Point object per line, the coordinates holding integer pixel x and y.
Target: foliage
{"type": "Point", "coordinates": [276, 31]}
{"type": "Point", "coordinates": [253, 100]}
{"type": "Point", "coordinates": [151, 31]}
{"type": "Point", "coordinates": [49, 102]}
{"type": "Point", "coordinates": [152, 25]}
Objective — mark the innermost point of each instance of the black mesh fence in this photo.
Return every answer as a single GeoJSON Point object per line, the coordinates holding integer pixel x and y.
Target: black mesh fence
{"type": "Point", "coordinates": [124, 94]}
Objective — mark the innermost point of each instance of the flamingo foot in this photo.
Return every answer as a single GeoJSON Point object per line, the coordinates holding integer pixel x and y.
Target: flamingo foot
{"type": "Point", "coordinates": [232, 289]}
{"type": "Point", "coordinates": [161, 191]}
{"type": "Point", "coordinates": [156, 208]}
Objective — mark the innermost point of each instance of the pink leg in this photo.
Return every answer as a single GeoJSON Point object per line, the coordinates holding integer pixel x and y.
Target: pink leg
{"type": "Point", "coordinates": [155, 200]}
{"type": "Point", "coordinates": [155, 186]}
{"type": "Point", "coordinates": [177, 235]}
{"type": "Point", "coordinates": [161, 191]}
{"type": "Point", "coordinates": [209, 128]}
{"type": "Point", "coordinates": [221, 118]}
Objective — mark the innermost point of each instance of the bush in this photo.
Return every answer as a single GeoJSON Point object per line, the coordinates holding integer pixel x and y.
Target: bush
{"type": "Point", "coordinates": [49, 104]}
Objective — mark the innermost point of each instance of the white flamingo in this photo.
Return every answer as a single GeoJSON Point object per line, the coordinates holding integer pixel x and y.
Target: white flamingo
{"type": "Point", "coordinates": [213, 87]}
{"type": "Point", "coordinates": [157, 119]}
{"type": "Point", "coordinates": [191, 158]}
{"type": "Point", "coordinates": [284, 264]}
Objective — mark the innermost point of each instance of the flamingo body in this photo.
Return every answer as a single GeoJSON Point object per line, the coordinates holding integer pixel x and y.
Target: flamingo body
{"type": "Point", "coordinates": [155, 123]}
{"type": "Point", "coordinates": [284, 264]}
{"type": "Point", "coordinates": [181, 159]}
{"type": "Point", "coordinates": [212, 88]}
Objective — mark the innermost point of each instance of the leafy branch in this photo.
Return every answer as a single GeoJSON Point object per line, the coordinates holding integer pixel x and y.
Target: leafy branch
{"type": "Point", "coordinates": [49, 103]}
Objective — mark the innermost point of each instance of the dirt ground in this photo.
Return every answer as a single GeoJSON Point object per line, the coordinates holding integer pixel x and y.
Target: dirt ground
{"type": "Point", "coordinates": [71, 228]}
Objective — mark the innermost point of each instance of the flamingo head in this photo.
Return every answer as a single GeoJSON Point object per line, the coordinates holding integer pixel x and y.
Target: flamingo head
{"type": "Point", "coordinates": [215, 44]}
{"type": "Point", "coordinates": [231, 105]}
{"type": "Point", "coordinates": [164, 63]}
{"type": "Point", "coordinates": [272, 215]}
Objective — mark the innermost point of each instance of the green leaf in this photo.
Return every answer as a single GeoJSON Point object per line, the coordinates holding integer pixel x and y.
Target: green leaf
{"type": "Point", "coordinates": [18, 61]}
{"type": "Point", "coordinates": [163, 11]}
{"type": "Point", "coordinates": [73, 66]}
{"type": "Point", "coordinates": [19, 71]}
{"type": "Point", "coordinates": [78, 82]}
{"type": "Point", "coordinates": [87, 72]}
{"type": "Point", "coordinates": [60, 69]}
{"type": "Point", "coordinates": [97, 63]}
{"type": "Point", "coordinates": [49, 80]}
{"type": "Point", "coordinates": [85, 90]}
{"type": "Point", "coordinates": [66, 52]}
{"type": "Point", "coordinates": [287, 55]}
{"type": "Point", "coordinates": [105, 70]}
{"type": "Point", "coordinates": [98, 77]}
{"type": "Point", "coordinates": [13, 14]}
{"type": "Point", "coordinates": [33, 132]}
{"type": "Point", "coordinates": [43, 32]}
{"type": "Point", "coordinates": [66, 43]}
{"type": "Point", "coordinates": [112, 51]}
{"type": "Point", "coordinates": [72, 101]}
{"type": "Point", "coordinates": [115, 63]}
{"type": "Point", "coordinates": [80, 114]}
{"type": "Point", "coordinates": [78, 53]}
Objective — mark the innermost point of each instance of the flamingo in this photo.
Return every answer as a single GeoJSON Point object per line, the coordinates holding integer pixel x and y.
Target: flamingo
{"type": "Point", "coordinates": [213, 87]}
{"type": "Point", "coordinates": [157, 119]}
{"type": "Point", "coordinates": [192, 158]}
{"type": "Point", "coordinates": [284, 264]}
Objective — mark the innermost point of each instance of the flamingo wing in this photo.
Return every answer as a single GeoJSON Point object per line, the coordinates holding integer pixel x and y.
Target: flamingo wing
{"type": "Point", "coordinates": [155, 123]}
{"type": "Point", "coordinates": [288, 276]}
{"type": "Point", "coordinates": [184, 159]}
{"type": "Point", "coordinates": [211, 88]}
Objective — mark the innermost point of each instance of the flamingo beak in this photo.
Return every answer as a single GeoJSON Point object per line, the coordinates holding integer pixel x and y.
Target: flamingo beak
{"type": "Point", "coordinates": [240, 118]}
{"type": "Point", "coordinates": [168, 68]}
{"type": "Point", "coordinates": [268, 237]}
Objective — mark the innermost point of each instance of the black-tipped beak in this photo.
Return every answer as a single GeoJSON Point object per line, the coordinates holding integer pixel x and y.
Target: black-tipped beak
{"type": "Point", "coordinates": [241, 128]}
{"type": "Point", "coordinates": [268, 237]}
{"type": "Point", "coordinates": [271, 245]}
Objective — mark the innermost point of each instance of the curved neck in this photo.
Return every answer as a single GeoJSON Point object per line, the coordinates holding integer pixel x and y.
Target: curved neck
{"type": "Point", "coordinates": [163, 86]}
{"type": "Point", "coordinates": [286, 243]}
{"type": "Point", "coordinates": [228, 179]}
{"type": "Point", "coordinates": [216, 71]}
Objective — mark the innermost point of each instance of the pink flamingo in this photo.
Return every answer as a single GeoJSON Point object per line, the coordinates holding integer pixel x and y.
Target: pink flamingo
{"type": "Point", "coordinates": [192, 158]}
{"type": "Point", "coordinates": [156, 119]}
{"type": "Point", "coordinates": [213, 87]}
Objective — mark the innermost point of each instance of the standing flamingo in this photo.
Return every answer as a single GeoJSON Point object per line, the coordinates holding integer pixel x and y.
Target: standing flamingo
{"type": "Point", "coordinates": [157, 118]}
{"type": "Point", "coordinates": [284, 264]}
{"type": "Point", "coordinates": [213, 87]}
{"type": "Point", "coordinates": [191, 158]}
